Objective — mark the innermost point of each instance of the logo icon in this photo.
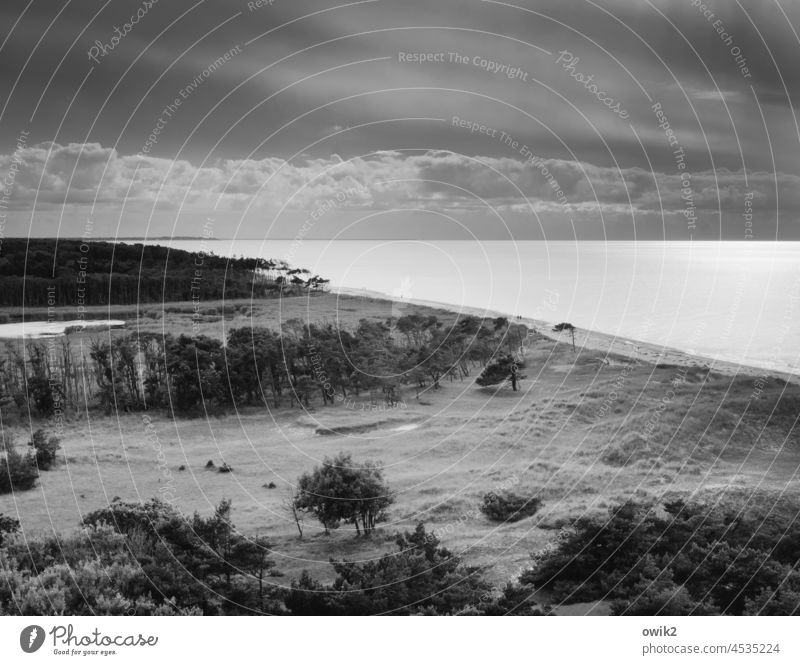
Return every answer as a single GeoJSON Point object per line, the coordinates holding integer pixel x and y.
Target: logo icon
{"type": "Point", "coordinates": [31, 638]}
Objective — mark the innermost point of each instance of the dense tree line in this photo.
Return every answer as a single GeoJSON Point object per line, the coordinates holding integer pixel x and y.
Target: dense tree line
{"type": "Point", "coordinates": [42, 272]}
{"type": "Point", "coordinates": [304, 364]}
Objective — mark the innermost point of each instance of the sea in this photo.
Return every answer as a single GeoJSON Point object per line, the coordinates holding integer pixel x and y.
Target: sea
{"type": "Point", "coordinates": [728, 301]}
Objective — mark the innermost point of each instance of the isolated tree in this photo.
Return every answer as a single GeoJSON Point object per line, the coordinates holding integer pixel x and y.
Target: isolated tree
{"type": "Point", "coordinates": [566, 327]}
{"type": "Point", "coordinates": [289, 504]}
{"type": "Point", "coordinates": [344, 491]}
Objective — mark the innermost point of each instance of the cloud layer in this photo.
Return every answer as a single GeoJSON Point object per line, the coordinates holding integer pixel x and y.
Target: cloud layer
{"type": "Point", "coordinates": [85, 173]}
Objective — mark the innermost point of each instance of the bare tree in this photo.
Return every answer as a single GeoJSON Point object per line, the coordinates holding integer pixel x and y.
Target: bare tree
{"type": "Point", "coordinates": [290, 506]}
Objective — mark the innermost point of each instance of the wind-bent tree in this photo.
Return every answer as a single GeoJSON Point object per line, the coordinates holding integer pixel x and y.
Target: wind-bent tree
{"type": "Point", "coordinates": [501, 370]}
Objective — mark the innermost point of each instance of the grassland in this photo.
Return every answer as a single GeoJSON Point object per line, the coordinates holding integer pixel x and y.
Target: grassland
{"type": "Point", "coordinates": [588, 428]}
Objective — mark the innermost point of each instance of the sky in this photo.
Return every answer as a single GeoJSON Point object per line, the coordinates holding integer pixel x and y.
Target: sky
{"type": "Point", "coordinates": [454, 119]}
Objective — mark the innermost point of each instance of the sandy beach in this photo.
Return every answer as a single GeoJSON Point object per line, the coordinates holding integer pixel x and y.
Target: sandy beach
{"type": "Point", "coordinates": [611, 345]}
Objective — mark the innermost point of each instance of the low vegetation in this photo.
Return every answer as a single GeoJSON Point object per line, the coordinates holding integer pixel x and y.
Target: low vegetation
{"type": "Point", "coordinates": [509, 506]}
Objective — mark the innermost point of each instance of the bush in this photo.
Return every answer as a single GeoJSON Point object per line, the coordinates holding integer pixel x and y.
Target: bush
{"type": "Point", "coordinates": [509, 507]}
{"type": "Point", "coordinates": [44, 449]}
{"type": "Point", "coordinates": [17, 473]}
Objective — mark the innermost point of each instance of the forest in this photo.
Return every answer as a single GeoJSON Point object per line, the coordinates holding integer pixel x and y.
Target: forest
{"type": "Point", "coordinates": [304, 364]}
{"type": "Point", "coordinates": [74, 273]}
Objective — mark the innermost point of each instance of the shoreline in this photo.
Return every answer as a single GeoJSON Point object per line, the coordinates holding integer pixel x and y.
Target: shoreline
{"type": "Point", "coordinates": [606, 343]}
{"type": "Point", "coordinates": [593, 340]}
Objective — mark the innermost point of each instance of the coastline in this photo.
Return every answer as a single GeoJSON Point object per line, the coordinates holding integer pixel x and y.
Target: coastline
{"type": "Point", "coordinates": [608, 344]}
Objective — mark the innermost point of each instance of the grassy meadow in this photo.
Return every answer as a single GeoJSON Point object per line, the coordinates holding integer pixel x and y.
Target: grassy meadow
{"type": "Point", "coordinates": [588, 428]}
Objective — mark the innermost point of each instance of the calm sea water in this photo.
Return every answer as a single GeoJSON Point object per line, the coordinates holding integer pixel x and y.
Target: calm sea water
{"type": "Point", "coordinates": [732, 301]}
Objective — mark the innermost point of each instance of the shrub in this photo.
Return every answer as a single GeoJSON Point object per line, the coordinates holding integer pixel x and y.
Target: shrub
{"type": "Point", "coordinates": [509, 507]}
{"type": "Point", "coordinates": [44, 449]}
{"type": "Point", "coordinates": [17, 473]}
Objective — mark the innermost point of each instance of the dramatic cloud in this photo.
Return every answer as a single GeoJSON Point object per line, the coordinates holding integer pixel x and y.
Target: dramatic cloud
{"type": "Point", "coordinates": [267, 95]}
{"type": "Point", "coordinates": [51, 174]}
